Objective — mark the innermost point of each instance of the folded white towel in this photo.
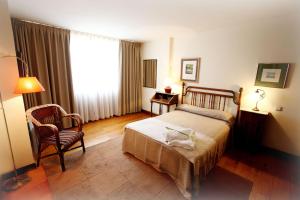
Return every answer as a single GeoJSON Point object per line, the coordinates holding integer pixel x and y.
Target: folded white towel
{"type": "Point", "coordinates": [174, 135]}
{"type": "Point", "coordinates": [186, 144]}
{"type": "Point", "coordinates": [180, 134]}
{"type": "Point", "coordinates": [180, 138]}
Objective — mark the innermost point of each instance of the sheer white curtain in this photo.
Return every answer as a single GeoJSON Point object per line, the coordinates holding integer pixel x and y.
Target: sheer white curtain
{"type": "Point", "coordinates": [95, 74]}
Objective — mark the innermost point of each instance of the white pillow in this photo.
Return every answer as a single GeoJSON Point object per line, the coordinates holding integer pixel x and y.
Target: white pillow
{"type": "Point", "coordinates": [216, 114]}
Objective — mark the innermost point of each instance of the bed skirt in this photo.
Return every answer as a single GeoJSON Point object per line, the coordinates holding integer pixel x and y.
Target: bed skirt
{"type": "Point", "coordinates": [165, 159]}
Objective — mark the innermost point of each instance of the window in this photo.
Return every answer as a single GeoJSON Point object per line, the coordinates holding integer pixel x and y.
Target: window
{"type": "Point", "coordinates": [96, 75]}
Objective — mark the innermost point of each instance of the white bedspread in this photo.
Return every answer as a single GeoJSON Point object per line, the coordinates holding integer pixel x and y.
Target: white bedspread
{"type": "Point", "coordinates": [156, 129]}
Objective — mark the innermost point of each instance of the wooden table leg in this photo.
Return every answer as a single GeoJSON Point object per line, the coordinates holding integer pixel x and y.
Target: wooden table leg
{"type": "Point", "coordinates": [168, 108]}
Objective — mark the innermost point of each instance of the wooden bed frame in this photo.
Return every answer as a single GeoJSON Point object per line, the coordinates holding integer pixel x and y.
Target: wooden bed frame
{"type": "Point", "coordinates": [214, 98]}
{"type": "Point", "coordinates": [211, 98]}
{"type": "Point", "coordinates": [186, 174]}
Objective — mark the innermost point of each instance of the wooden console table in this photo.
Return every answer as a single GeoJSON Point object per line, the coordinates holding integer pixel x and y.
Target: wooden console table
{"type": "Point", "coordinates": [162, 98]}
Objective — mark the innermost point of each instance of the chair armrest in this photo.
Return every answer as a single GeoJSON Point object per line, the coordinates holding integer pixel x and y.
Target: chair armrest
{"type": "Point", "coordinates": [77, 118]}
{"type": "Point", "coordinates": [46, 130]}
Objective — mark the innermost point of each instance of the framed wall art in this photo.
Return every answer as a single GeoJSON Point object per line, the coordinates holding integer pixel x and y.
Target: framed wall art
{"type": "Point", "coordinates": [272, 75]}
{"type": "Point", "coordinates": [190, 69]}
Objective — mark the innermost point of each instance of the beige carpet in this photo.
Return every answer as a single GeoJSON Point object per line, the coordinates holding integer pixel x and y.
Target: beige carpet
{"type": "Point", "coordinates": [104, 172]}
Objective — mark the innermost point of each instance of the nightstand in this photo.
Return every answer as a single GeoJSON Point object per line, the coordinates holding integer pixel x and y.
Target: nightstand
{"type": "Point", "coordinates": [250, 129]}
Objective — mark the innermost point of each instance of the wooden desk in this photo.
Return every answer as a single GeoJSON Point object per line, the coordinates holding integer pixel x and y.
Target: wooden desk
{"type": "Point", "coordinates": [162, 98]}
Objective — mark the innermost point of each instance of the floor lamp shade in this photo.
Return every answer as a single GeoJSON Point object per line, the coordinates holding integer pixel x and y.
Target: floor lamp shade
{"type": "Point", "coordinates": [28, 85]}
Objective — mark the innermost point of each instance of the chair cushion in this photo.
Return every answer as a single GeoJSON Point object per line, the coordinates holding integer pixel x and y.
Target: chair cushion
{"type": "Point", "coordinates": [67, 138]}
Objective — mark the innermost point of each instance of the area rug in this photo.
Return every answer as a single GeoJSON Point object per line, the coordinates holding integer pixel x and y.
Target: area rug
{"type": "Point", "coordinates": [104, 172]}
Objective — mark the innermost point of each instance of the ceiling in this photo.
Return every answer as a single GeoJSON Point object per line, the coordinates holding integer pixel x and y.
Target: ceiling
{"type": "Point", "coordinates": [148, 19]}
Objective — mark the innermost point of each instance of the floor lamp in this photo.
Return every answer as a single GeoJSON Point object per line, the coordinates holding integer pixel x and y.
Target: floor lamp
{"type": "Point", "coordinates": [25, 85]}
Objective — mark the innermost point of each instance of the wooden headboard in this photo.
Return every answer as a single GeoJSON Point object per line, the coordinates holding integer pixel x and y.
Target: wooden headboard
{"type": "Point", "coordinates": [211, 98]}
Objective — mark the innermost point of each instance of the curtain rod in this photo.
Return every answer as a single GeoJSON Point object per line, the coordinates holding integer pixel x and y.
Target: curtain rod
{"type": "Point", "coordinates": [95, 35]}
{"type": "Point", "coordinates": [53, 26]}
{"type": "Point", "coordinates": [39, 23]}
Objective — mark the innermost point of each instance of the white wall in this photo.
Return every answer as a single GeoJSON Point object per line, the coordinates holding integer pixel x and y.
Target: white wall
{"type": "Point", "coordinates": [229, 57]}
{"type": "Point", "coordinates": [13, 104]}
{"type": "Point", "coordinates": [159, 50]}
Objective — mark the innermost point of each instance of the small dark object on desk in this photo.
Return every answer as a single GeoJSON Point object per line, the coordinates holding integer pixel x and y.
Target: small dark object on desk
{"type": "Point", "coordinates": [168, 89]}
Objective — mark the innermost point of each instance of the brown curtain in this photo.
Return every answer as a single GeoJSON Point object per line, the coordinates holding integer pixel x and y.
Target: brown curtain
{"type": "Point", "coordinates": [47, 51]}
{"type": "Point", "coordinates": [131, 77]}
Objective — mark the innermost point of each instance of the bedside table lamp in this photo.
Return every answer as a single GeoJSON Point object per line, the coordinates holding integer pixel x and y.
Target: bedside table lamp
{"type": "Point", "coordinates": [25, 85]}
{"type": "Point", "coordinates": [259, 95]}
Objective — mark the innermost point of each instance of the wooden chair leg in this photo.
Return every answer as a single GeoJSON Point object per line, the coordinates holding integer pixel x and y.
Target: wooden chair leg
{"type": "Point", "coordinates": [62, 160]}
{"type": "Point", "coordinates": [82, 144]}
{"type": "Point", "coordinates": [39, 156]}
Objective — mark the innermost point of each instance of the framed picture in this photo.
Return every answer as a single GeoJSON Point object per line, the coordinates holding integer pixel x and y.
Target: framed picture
{"type": "Point", "coordinates": [190, 69]}
{"type": "Point", "coordinates": [272, 75]}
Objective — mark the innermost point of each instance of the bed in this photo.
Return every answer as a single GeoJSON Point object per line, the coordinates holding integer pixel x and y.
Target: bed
{"type": "Point", "coordinates": [210, 112]}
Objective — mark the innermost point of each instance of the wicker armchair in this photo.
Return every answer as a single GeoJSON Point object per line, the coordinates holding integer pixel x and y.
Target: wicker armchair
{"type": "Point", "coordinates": [48, 124]}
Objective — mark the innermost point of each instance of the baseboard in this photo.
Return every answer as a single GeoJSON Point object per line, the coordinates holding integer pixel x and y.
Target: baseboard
{"type": "Point", "coordinates": [149, 113]}
{"type": "Point", "coordinates": [21, 170]}
{"type": "Point", "coordinates": [280, 154]}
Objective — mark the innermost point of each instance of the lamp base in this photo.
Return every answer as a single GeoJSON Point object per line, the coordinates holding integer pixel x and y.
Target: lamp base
{"type": "Point", "coordinates": [15, 182]}
{"type": "Point", "coordinates": [255, 109]}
